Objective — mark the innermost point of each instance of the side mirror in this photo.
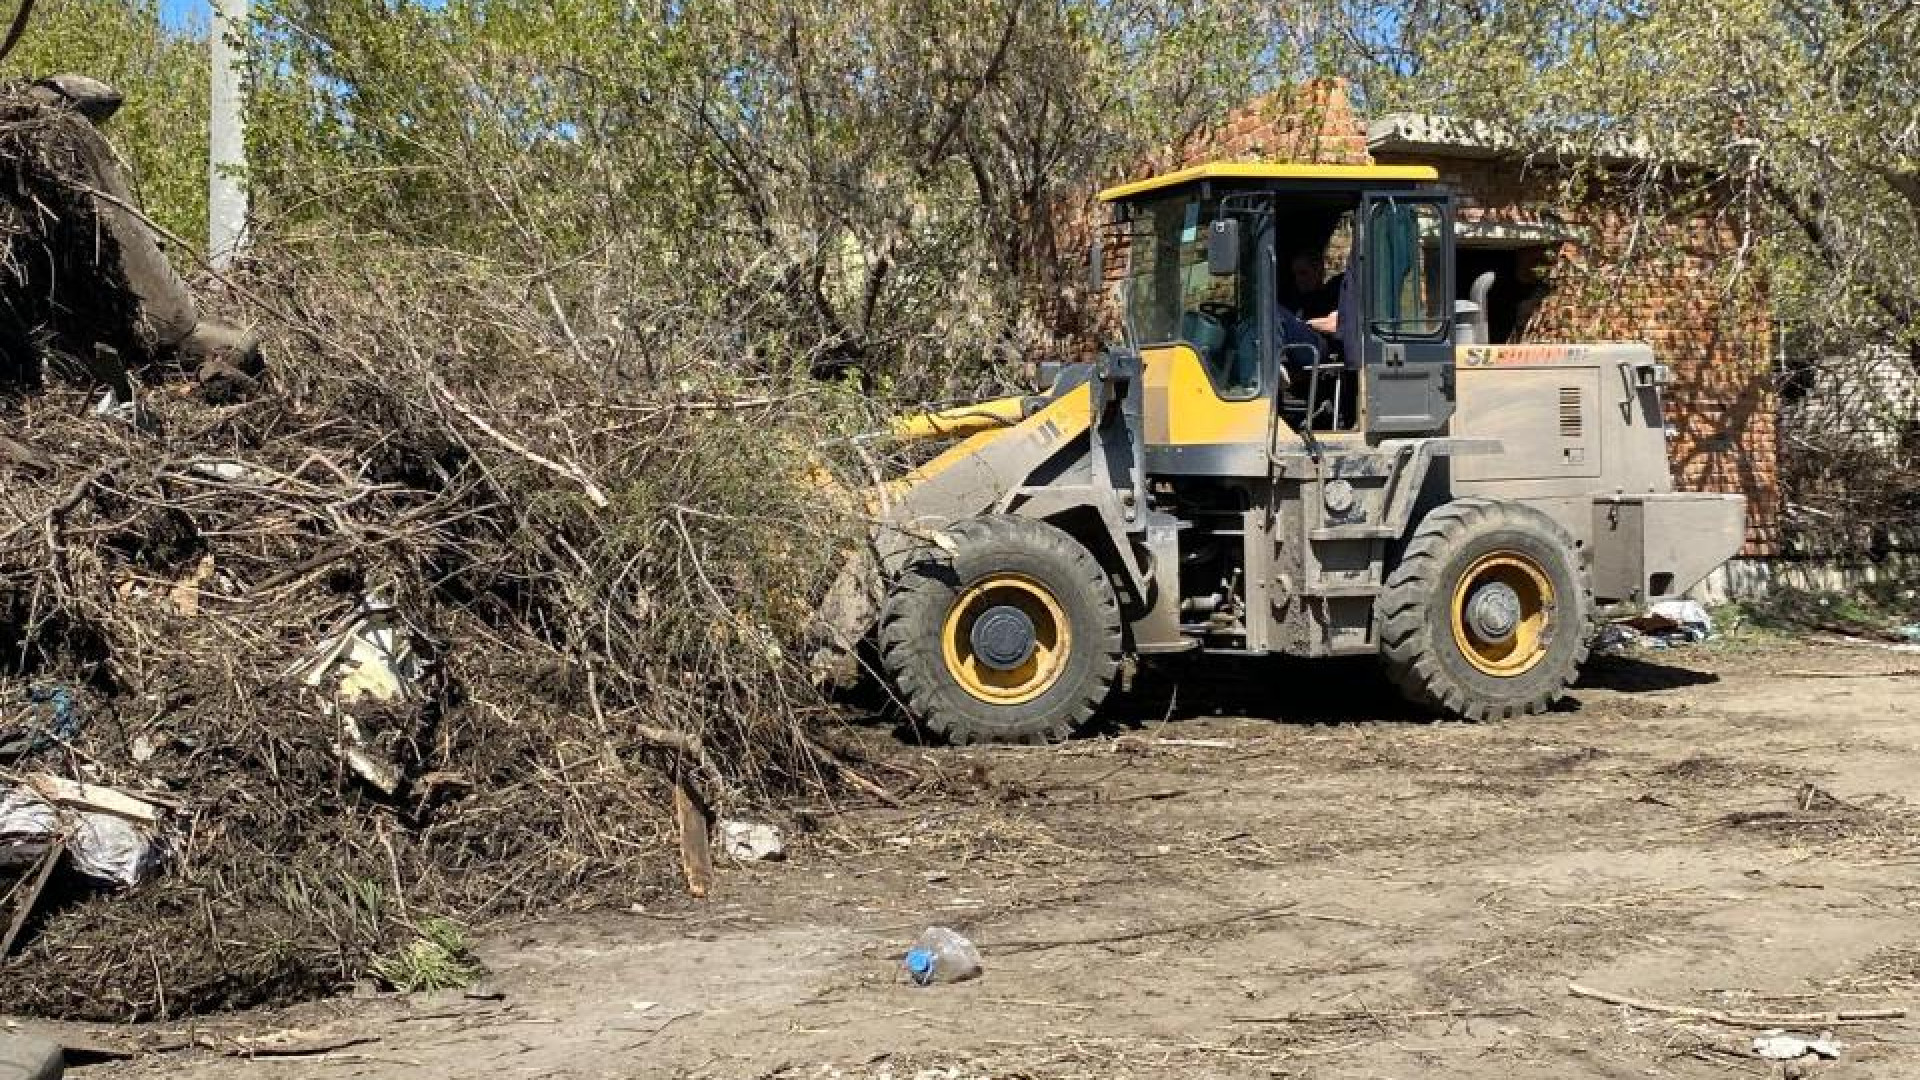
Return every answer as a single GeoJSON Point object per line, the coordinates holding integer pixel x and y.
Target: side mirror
{"type": "Point", "coordinates": [1097, 266]}
{"type": "Point", "coordinates": [1223, 247]}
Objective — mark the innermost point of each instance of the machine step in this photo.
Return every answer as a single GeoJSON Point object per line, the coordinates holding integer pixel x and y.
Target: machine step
{"type": "Point", "coordinates": [1354, 532]}
{"type": "Point", "coordinates": [1336, 589]}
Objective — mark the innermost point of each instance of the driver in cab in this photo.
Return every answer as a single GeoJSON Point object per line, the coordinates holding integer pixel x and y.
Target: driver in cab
{"type": "Point", "coordinates": [1306, 317]}
{"type": "Point", "coordinates": [1312, 297]}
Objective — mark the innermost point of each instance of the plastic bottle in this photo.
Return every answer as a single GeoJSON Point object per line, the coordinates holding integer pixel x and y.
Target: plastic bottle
{"type": "Point", "coordinates": [941, 956]}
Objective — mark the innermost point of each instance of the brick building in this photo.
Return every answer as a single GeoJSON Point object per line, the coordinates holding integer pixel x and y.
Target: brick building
{"type": "Point", "coordinates": [1576, 257]}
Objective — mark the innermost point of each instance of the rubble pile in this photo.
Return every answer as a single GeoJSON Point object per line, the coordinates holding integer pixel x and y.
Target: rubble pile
{"type": "Point", "coordinates": [400, 611]}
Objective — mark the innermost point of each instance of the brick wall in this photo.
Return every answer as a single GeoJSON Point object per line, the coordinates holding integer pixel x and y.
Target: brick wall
{"type": "Point", "coordinates": [1613, 276]}
{"type": "Point", "coordinates": [1621, 275]}
{"type": "Point", "coordinates": [1314, 122]}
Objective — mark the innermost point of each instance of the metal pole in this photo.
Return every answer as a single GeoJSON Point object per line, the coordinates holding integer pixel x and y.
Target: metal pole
{"type": "Point", "coordinates": [227, 142]}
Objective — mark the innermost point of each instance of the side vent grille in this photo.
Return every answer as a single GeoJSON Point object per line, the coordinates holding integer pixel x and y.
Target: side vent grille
{"type": "Point", "coordinates": [1570, 423]}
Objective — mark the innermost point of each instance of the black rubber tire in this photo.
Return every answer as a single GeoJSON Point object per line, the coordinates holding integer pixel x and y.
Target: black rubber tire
{"type": "Point", "coordinates": [1416, 619]}
{"type": "Point", "coordinates": [914, 617]}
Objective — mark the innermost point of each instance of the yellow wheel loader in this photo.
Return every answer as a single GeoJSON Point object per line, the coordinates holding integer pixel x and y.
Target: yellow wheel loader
{"type": "Point", "coordinates": [1245, 474]}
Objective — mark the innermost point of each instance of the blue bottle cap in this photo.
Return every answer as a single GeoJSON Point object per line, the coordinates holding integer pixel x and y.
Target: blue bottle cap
{"type": "Point", "coordinates": [920, 965]}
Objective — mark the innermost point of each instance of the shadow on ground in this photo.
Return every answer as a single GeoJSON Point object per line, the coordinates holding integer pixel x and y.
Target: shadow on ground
{"type": "Point", "coordinates": [1638, 675]}
{"type": "Point", "coordinates": [1290, 690]}
{"type": "Point", "coordinates": [1283, 689]}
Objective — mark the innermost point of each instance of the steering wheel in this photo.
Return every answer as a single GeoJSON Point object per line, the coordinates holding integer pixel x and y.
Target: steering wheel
{"type": "Point", "coordinates": [1224, 314]}
{"type": "Point", "coordinates": [1210, 326]}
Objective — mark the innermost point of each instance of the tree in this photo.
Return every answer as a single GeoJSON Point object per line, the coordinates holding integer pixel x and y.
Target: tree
{"type": "Point", "coordinates": [161, 130]}
{"type": "Point", "coordinates": [1806, 106]}
{"type": "Point", "coordinates": [857, 185]}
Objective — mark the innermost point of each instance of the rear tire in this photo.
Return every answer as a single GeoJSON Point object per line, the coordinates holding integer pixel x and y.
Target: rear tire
{"type": "Point", "coordinates": [1486, 616]}
{"type": "Point", "coordinates": [1012, 636]}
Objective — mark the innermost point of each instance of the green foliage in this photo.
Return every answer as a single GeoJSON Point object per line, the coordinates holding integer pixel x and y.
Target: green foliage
{"type": "Point", "coordinates": [1802, 107]}
{"type": "Point", "coordinates": [859, 185]}
{"type": "Point", "coordinates": [1788, 122]}
{"type": "Point", "coordinates": [439, 958]}
{"type": "Point", "coordinates": [1875, 609]}
{"type": "Point", "coordinates": [162, 129]}
{"type": "Point", "coordinates": [1739, 628]}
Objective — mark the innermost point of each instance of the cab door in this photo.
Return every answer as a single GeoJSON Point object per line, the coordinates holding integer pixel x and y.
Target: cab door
{"type": "Point", "coordinates": [1405, 265]}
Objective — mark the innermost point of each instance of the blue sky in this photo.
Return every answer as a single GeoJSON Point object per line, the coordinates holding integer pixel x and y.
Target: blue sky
{"type": "Point", "coordinates": [186, 14]}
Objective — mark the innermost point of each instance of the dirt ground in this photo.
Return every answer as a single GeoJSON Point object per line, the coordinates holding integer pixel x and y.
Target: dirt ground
{"type": "Point", "coordinates": [1285, 875]}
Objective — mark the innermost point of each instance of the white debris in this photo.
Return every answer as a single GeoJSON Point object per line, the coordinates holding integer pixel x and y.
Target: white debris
{"type": "Point", "coordinates": [1686, 616]}
{"type": "Point", "coordinates": [28, 823]}
{"type": "Point", "coordinates": [114, 851]}
{"type": "Point", "coordinates": [373, 658]}
{"type": "Point", "coordinates": [751, 842]}
{"type": "Point", "coordinates": [375, 770]}
{"type": "Point", "coordinates": [106, 847]}
{"type": "Point", "coordinates": [222, 470]}
{"type": "Point", "coordinates": [111, 406]}
{"type": "Point", "coordinates": [1674, 622]}
{"type": "Point", "coordinates": [1777, 1045]}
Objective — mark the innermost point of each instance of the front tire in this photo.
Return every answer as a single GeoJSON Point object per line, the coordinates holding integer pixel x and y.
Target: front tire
{"type": "Point", "coordinates": [1486, 616]}
{"type": "Point", "coordinates": [1013, 635]}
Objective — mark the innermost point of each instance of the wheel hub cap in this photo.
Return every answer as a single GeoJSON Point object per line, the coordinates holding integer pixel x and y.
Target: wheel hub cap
{"type": "Point", "coordinates": [1494, 612]}
{"type": "Point", "coordinates": [1006, 640]}
{"type": "Point", "coordinates": [1003, 637]}
{"type": "Point", "coordinates": [1503, 613]}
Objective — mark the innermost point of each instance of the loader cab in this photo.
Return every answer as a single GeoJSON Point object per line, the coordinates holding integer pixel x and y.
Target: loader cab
{"type": "Point", "coordinates": [1330, 313]}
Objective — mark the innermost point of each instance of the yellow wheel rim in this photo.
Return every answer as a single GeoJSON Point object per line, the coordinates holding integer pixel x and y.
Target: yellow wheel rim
{"type": "Point", "coordinates": [1015, 679]}
{"type": "Point", "coordinates": [1500, 613]}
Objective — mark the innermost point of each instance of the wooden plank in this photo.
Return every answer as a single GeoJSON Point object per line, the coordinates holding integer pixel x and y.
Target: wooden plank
{"type": "Point", "coordinates": [23, 906]}
{"type": "Point", "coordinates": [288, 1044]}
{"type": "Point", "coordinates": [56, 789]}
{"type": "Point", "coordinates": [1739, 1019]}
{"type": "Point", "coordinates": [696, 838]}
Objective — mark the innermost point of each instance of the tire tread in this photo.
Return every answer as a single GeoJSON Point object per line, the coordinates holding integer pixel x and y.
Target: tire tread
{"type": "Point", "coordinates": [918, 600]}
{"type": "Point", "coordinates": [1408, 638]}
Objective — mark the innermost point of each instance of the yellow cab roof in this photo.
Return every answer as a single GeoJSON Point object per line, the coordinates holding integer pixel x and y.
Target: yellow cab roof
{"type": "Point", "coordinates": [1348, 174]}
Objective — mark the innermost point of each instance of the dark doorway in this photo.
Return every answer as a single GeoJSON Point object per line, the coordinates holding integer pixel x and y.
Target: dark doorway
{"type": "Point", "coordinates": [1515, 290]}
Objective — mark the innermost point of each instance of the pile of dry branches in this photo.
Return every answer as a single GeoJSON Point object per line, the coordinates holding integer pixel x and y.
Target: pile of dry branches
{"type": "Point", "coordinates": [1850, 452]}
{"type": "Point", "coordinates": [603, 581]}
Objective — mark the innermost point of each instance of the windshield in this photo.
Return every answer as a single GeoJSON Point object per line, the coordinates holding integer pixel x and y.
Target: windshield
{"type": "Point", "coordinates": [1173, 296]}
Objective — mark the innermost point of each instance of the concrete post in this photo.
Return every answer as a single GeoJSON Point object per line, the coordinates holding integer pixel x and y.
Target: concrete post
{"type": "Point", "coordinates": [226, 143]}
{"type": "Point", "coordinates": [23, 1057]}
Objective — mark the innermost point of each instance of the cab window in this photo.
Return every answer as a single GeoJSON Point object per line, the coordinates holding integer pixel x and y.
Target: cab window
{"type": "Point", "coordinates": [1172, 295]}
{"type": "Point", "coordinates": [1406, 267]}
